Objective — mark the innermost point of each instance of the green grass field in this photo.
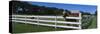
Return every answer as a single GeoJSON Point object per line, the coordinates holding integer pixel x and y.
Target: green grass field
{"type": "Point", "coordinates": [24, 28]}
{"type": "Point", "coordinates": [93, 23]}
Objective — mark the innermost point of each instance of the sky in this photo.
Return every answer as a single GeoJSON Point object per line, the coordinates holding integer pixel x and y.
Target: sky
{"type": "Point", "coordinates": [84, 8]}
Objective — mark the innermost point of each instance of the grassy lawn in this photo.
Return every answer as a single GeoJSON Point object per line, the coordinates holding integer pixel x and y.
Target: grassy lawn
{"type": "Point", "coordinates": [94, 23]}
{"type": "Point", "coordinates": [89, 24]}
{"type": "Point", "coordinates": [22, 28]}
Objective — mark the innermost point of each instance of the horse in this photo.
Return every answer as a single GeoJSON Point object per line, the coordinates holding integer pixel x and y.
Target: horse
{"type": "Point", "coordinates": [67, 14]}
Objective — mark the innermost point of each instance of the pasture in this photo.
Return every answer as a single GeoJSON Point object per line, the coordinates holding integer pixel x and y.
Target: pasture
{"type": "Point", "coordinates": [26, 27]}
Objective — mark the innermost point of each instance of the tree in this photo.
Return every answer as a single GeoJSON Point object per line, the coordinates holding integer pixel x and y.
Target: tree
{"type": "Point", "coordinates": [96, 12]}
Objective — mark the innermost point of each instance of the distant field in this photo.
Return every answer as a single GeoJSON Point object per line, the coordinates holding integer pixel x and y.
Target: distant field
{"type": "Point", "coordinates": [89, 23]}
{"type": "Point", "coordinates": [93, 23]}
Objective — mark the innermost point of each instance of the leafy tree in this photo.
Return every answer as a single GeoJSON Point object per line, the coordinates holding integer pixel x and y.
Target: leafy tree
{"type": "Point", "coordinates": [96, 12]}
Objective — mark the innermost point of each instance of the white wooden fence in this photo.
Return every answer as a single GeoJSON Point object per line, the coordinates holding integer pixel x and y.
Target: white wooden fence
{"type": "Point", "coordinates": [27, 17]}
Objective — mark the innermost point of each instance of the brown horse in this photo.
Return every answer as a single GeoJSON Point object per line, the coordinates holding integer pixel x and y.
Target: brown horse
{"type": "Point", "coordinates": [65, 14]}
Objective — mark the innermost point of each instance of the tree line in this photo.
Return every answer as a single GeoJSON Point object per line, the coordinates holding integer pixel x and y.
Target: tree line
{"type": "Point", "coordinates": [26, 8]}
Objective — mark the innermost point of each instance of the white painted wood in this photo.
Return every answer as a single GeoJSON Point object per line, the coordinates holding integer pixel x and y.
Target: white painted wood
{"type": "Point", "coordinates": [46, 24]}
{"type": "Point", "coordinates": [24, 18]}
{"type": "Point", "coordinates": [45, 16]}
{"type": "Point", "coordinates": [80, 21]}
{"type": "Point", "coordinates": [52, 21]}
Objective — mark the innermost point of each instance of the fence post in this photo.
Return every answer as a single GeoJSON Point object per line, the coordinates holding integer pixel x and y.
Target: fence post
{"type": "Point", "coordinates": [38, 21]}
{"type": "Point", "coordinates": [25, 20]}
{"type": "Point", "coordinates": [55, 23]}
{"type": "Point", "coordinates": [80, 21]}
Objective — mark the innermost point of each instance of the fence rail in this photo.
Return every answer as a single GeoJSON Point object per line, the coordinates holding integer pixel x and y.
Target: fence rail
{"type": "Point", "coordinates": [45, 16]}
{"type": "Point", "coordinates": [16, 19]}
{"type": "Point", "coordinates": [46, 24]}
